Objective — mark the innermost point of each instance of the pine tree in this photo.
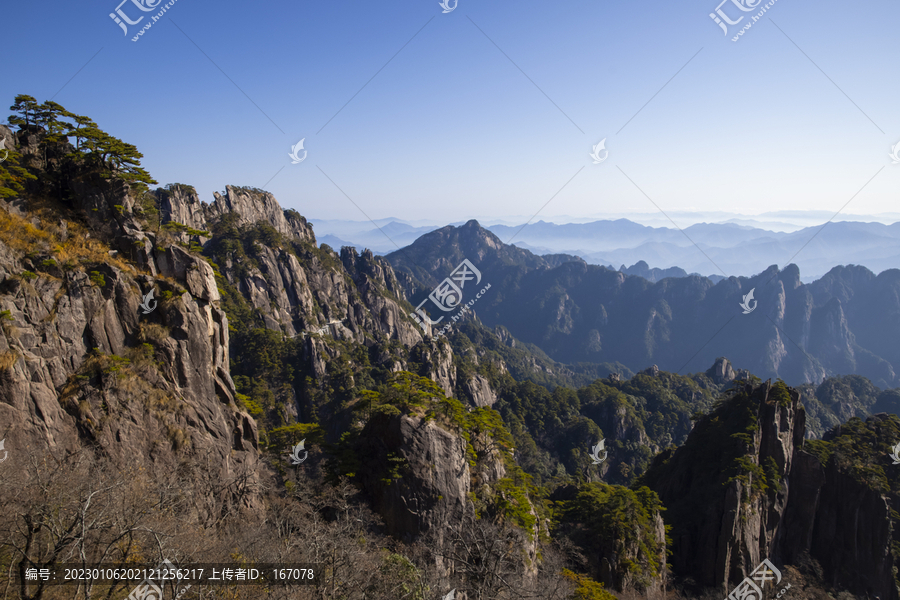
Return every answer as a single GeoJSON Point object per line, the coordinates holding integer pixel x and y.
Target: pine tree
{"type": "Point", "coordinates": [12, 176]}
{"type": "Point", "coordinates": [27, 107]}
{"type": "Point", "coordinates": [108, 154]}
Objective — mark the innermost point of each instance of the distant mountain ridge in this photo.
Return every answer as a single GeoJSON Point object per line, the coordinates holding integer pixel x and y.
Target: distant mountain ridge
{"type": "Point", "coordinates": [577, 312]}
{"type": "Point", "coordinates": [165, 432]}
{"type": "Point", "coordinates": [727, 248]}
{"type": "Point", "coordinates": [721, 249]}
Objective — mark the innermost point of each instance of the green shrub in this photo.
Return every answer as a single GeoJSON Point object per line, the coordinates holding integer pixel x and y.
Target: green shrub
{"type": "Point", "coordinates": [586, 588]}
{"type": "Point", "coordinates": [256, 411]}
{"type": "Point", "coordinates": [97, 279]}
{"type": "Point", "coordinates": [282, 439]}
{"type": "Point", "coordinates": [28, 275]}
{"type": "Point", "coordinates": [780, 393]}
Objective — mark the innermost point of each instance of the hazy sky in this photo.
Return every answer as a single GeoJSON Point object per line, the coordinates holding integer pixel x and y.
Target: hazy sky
{"type": "Point", "coordinates": [489, 110]}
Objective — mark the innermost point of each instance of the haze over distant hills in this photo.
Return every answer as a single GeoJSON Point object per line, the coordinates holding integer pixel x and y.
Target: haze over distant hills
{"type": "Point", "coordinates": [845, 322]}
{"type": "Point", "coordinates": [739, 247]}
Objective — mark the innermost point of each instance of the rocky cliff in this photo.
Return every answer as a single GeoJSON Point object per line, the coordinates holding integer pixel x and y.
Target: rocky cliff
{"type": "Point", "coordinates": [431, 484]}
{"type": "Point", "coordinates": [579, 312]}
{"type": "Point", "coordinates": [744, 488]}
{"type": "Point", "coordinates": [85, 362]}
{"type": "Point", "coordinates": [255, 338]}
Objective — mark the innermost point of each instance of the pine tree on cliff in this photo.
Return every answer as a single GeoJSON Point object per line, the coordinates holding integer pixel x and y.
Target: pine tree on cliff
{"type": "Point", "coordinates": [13, 176]}
{"type": "Point", "coordinates": [94, 147]}
{"type": "Point", "coordinates": [27, 107]}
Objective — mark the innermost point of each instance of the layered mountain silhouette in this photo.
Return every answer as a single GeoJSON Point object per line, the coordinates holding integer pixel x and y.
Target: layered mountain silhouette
{"type": "Point", "coordinates": [711, 249]}
{"type": "Point", "coordinates": [459, 462]}
{"type": "Point", "coordinates": [576, 312]}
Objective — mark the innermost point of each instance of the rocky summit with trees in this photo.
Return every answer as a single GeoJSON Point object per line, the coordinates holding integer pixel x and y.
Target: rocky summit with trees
{"type": "Point", "coordinates": [162, 358]}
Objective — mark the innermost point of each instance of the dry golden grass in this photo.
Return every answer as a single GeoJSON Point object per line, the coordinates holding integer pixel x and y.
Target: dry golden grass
{"type": "Point", "coordinates": [11, 331]}
{"type": "Point", "coordinates": [8, 359]}
{"type": "Point", "coordinates": [153, 333]}
{"type": "Point", "coordinates": [21, 235]}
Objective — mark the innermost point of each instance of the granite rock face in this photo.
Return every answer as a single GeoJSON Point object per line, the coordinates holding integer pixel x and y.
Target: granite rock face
{"type": "Point", "coordinates": [434, 482]}
{"type": "Point", "coordinates": [773, 500]}
{"type": "Point", "coordinates": [180, 204]}
{"type": "Point", "coordinates": [480, 392]}
{"type": "Point", "coordinates": [842, 523]}
{"type": "Point", "coordinates": [85, 364]}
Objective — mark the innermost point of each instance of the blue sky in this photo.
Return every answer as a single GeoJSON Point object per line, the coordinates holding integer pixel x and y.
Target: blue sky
{"type": "Point", "coordinates": [451, 129]}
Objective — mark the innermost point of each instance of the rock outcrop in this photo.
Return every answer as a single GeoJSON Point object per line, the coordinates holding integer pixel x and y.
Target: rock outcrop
{"type": "Point", "coordinates": [576, 312]}
{"type": "Point", "coordinates": [742, 488]}
{"type": "Point", "coordinates": [842, 522]}
{"type": "Point", "coordinates": [479, 391]}
{"type": "Point", "coordinates": [416, 474]}
{"type": "Point", "coordinates": [180, 204]}
{"type": "Point", "coordinates": [83, 363]}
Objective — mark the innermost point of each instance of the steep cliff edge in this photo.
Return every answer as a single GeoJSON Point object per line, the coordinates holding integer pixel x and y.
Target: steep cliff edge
{"type": "Point", "coordinates": [744, 488]}
{"type": "Point", "coordinates": [577, 312]}
{"type": "Point", "coordinates": [84, 363]}
{"type": "Point", "coordinates": [845, 493]}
